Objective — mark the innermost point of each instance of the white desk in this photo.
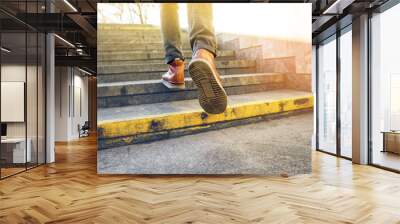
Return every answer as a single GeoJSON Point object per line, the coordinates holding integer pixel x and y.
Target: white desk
{"type": "Point", "coordinates": [391, 141]}
{"type": "Point", "coordinates": [19, 154]}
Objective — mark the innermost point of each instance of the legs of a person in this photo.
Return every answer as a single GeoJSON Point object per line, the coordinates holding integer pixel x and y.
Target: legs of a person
{"type": "Point", "coordinates": [202, 69]}
{"type": "Point", "coordinates": [171, 32]}
{"type": "Point", "coordinates": [201, 28]}
{"type": "Point", "coordinates": [174, 77]}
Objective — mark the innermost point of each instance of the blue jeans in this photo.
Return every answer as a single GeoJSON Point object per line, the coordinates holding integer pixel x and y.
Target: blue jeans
{"type": "Point", "coordinates": [201, 29]}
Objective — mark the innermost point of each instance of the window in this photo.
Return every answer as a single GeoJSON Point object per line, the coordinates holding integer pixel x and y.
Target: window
{"type": "Point", "coordinates": [346, 94]}
{"type": "Point", "coordinates": [395, 102]}
{"type": "Point", "coordinates": [385, 89]}
{"type": "Point", "coordinates": [327, 96]}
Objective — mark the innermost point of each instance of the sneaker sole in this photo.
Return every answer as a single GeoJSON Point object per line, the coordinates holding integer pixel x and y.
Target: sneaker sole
{"type": "Point", "coordinates": [173, 86]}
{"type": "Point", "coordinates": [212, 96]}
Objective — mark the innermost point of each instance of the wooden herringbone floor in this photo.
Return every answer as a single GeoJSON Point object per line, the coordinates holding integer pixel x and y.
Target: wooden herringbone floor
{"type": "Point", "coordinates": [70, 191]}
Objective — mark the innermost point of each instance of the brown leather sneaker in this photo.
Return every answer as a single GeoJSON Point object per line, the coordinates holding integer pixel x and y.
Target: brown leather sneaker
{"type": "Point", "coordinates": [202, 69]}
{"type": "Point", "coordinates": [174, 78]}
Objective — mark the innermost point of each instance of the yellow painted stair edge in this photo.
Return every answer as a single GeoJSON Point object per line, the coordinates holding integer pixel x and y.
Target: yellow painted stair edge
{"type": "Point", "coordinates": [163, 122]}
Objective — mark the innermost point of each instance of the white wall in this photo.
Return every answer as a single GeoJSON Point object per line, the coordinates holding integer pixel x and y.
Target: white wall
{"type": "Point", "coordinates": [62, 81]}
{"type": "Point", "coordinates": [70, 83]}
{"type": "Point", "coordinates": [13, 73]}
{"type": "Point", "coordinates": [33, 125]}
{"type": "Point", "coordinates": [80, 109]}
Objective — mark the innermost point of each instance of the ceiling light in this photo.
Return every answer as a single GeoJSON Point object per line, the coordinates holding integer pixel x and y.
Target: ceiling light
{"type": "Point", "coordinates": [79, 51]}
{"type": "Point", "coordinates": [70, 5]}
{"type": "Point", "coordinates": [5, 50]}
{"type": "Point", "coordinates": [338, 6]}
{"type": "Point", "coordinates": [84, 71]}
{"type": "Point", "coordinates": [64, 40]}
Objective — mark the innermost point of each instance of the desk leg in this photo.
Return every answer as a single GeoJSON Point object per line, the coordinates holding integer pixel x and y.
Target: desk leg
{"type": "Point", "coordinates": [384, 143]}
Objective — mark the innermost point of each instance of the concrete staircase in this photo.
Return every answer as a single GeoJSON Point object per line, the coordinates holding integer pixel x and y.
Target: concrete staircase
{"type": "Point", "coordinates": [135, 107]}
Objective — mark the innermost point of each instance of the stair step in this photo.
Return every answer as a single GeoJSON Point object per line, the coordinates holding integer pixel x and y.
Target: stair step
{"type": "Point", "coordinates": [149, 55]}
{"type": "Point", "coordinates": [152, 61]}
{"type": "Point", "coordinates": [156, 86]}
{"type": "Point", "coordinates": [153, 91]}
{"type": "Point", "coordinates": [142, 123]}
{"type": "Point", "coordinates": [117, 47]}
{"type": "Point", "coordinates": [138, 76]}
{"type": "Point", "coordinates": [121, 27]}
{"type": "Point", "coordinates": [154, 33]}
{"type": "Point", "coordinates": [134, 38]}
{"type": "Point", "coordinates": [113, 69]}
{"type": "Point", "coordinates": [136, 31]}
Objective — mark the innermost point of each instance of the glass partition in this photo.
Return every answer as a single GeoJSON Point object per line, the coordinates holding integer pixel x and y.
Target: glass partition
{"type": "Point", "coordinates": [346, 93]}
{"type": "Point", "coordinates": [22, 78]}
{"type": "Point", "coordinates": [41, 97]}
{"type": "Point", "coordinates": [327, 95]}
{"type": "Point", "coordinates": [334, 71]}
{"type": "Point", "coordinates": [13, 94]}
{"type": "Point", "coordinates": [31, 98]}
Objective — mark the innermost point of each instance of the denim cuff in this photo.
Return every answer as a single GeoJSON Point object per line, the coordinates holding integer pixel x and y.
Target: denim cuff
{"type": "Point", "coordinates": [170, 57]}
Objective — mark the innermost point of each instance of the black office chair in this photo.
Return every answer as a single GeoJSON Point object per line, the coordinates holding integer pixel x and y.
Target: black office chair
{"type": "Point", "coordinates": [84, 130]}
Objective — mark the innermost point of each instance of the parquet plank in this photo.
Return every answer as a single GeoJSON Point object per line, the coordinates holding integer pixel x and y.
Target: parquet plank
{"type": "Point", "coordinates": [70, 191]}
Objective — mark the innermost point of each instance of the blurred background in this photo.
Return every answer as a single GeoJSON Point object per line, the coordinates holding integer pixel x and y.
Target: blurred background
{"type": "Point", "coordinates": [273, 20]}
